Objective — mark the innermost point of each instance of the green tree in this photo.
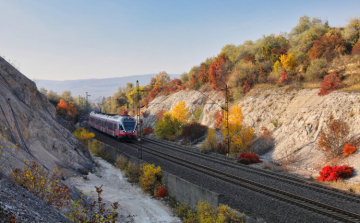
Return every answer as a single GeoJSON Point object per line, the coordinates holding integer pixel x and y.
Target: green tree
{"type": "Point", "coordinates": [43, 91]}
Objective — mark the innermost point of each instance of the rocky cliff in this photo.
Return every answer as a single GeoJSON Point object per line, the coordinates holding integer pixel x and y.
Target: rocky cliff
{"type": "Point", "coordinates": [29, 131]}
{"type": "Point", "coordinates": [295, 117]}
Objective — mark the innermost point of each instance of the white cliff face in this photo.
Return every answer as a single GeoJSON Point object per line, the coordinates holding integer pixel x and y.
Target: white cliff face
{"type": "Point", "coordinates": [300, 115]}
{"type": "Point", "coordinates": [29, 120]}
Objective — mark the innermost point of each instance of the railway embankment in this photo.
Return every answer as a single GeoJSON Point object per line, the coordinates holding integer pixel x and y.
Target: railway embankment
{"type": "Point", "coordinates": [295, 116]}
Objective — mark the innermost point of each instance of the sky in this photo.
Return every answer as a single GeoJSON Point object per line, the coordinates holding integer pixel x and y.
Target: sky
{"type": "Point", "coordinates": [83, 39]}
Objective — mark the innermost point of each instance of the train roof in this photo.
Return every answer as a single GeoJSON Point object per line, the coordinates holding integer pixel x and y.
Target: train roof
{"type": "Point", "coordinates": [114, 117]}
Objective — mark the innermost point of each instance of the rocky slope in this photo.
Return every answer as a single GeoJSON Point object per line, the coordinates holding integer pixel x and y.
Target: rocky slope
{"type": "Point", "coordinates": [294, 116]}
{"type": "Point", "coordinates": [30, 131]}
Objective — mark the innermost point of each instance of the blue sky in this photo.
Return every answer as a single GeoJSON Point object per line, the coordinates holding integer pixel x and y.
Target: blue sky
{"type": "Point", "coordinates": [81, 39]}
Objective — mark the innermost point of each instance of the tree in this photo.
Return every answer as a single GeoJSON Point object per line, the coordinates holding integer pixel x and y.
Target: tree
{"type": "Point", "coordinates": [66, 110]}
{"type": "Point", "coordinates": [184, 77]}
{"type": "Point", "coordinates": [241, 136]}
{"type": "Point", "coordinates": [203, 76]}
{"type": "Point", "coordinates": [53, 97]}
{"type": "Point", "coordinates": [43, 91]}
{"type": "Point", "coordinates": [180, 112]}
{"type": "Point", "coordinates": [289, 62]}
{"type": "Point", "coordinates": [352, 31]}
{"type": "Point", "coordinates": [356, 49]}
{"type": "Point", "coordinates": [328, 47]}
{"type": "Point", "coordinates": [317, 69]}
{"type": "Point", "coordinates": [218, 71]}
{"type": "Point", "coordinates": [66, 95]}
{"type": "Point", "coordinates": [162, 79]}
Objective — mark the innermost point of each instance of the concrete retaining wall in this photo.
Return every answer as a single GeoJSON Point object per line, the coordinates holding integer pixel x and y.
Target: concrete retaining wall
{"type": "Point", "coordinates": [184, 191]}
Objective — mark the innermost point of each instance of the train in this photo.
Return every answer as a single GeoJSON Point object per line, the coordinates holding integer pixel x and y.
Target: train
{"type": "Point", "coordinates": [123, 127]}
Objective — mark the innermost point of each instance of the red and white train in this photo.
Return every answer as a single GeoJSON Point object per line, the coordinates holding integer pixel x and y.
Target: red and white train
{"type": "Point", "coordinates": [122, 127]}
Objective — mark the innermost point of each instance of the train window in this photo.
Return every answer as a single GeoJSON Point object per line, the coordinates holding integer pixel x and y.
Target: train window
{"type": "Point", "coordinates": [129, 126]}
{"type": "Point", "coordinates": [121, 128]}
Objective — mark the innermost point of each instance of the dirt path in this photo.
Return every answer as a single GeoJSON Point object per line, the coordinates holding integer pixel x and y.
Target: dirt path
{"type": "Point", "coordinates": [134, 205]}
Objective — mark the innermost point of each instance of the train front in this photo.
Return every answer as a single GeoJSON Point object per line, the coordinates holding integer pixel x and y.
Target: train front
{"type": "Point", "coordinates": [129, 128]}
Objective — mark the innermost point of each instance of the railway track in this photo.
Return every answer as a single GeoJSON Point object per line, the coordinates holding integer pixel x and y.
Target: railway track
{"type": "Point", "coordinates": [312, 205]}
{"type": "Point", "coordinates": [237, 188]}
{"type": "Point", "coordinates": [267, 173]}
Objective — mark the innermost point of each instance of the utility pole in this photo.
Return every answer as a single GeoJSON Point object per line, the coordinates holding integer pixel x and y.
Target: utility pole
{"type": "Point", "coordinates": [227, 140]}
{"type": "Point", "coordinates": [87, 103]}
{"type": "Point", "coordinates": [138, 107]}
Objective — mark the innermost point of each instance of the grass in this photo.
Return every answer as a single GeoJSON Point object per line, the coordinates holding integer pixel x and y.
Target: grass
{"type": "Point", "coordinates": [340, 184]}
{"type": "Point", "coordinates": [355, 88]}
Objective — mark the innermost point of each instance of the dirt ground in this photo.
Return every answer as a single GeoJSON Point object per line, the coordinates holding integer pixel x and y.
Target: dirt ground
{"type": "Point", "coordinates": [134, 205]}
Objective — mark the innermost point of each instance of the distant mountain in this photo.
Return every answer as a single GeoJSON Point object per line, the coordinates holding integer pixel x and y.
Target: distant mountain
{"type": "Point", "coordinates": [95, 87]}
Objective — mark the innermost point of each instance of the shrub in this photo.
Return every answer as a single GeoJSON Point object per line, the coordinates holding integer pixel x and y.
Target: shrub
{"type": "Point", "coordinates": [150, 178]}
{"type": "Point", "coordinates": [98, 149]}
{"type": "Point", "coordinates": [160, 114]}
{"type": "Point", "coordinates": [265, 141]}
{"type": "Point", "coordinates": [83, 135]}
{"type": "Point", "coordinates": [197, 114]}
{"type": "Point", "coordinates": [121, 163]}
{"type": "Point", "coordinates": [124, 112]}
{"type": "Point", "coordinates": [248, 158]}
{"type": "Point", "coordinates": [167, 128]}
{"type": "Point", "coordinates": [328, 47]}
{"type": "Point", "coordinates": [348, 149]}
{"type": "Point", "coordinates": [95, 212]}
{"type": "Point", "coordinates": [147, 131]}
{"type": "Point", "coordinates": [246, 88]}
{"type": "Point", "coordinates": [193, 131]}
{"type": "Point", "coordinates": [289, 62]}
{"type": "Point", "coordinates": [221, 149]}
{"type": "Point", "coordinates": [330, 83]}
{"type": "Point", "coordinates": [329, 173]}
{"type": "Point", "coordinates": [132, 172]}
{"type": "Point", "coordinates": [163, 192]}
{"type": "Point", "coordinates": [209, 145]}
{"type": "Point", "coordinates": [42, 184]}
{"type": "Point", "coordinates": [283, 78]}
{"type": "Point", "coordinates": [316, 70]}
{"type": "Point", "coordinates": [333, 136]}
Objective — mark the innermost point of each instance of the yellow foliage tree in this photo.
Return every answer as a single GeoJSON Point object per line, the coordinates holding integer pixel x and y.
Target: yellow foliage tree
{"type": "Point", "coordinates": [150, 177]}
{"type": "Point", "coordinates": [241, 136]}
{"type": "Point", "coordinates": [289, 62]}
{"type": "Point", "coordinates": [180, 112]}
{"type": "Point", "coordinates": [83, 135]}
{"type": "Point", "coordinates": [162, 79]}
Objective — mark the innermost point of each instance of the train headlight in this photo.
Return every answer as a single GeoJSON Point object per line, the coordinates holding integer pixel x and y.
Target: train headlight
{"type": "Point", "coordinates": [124, 131]}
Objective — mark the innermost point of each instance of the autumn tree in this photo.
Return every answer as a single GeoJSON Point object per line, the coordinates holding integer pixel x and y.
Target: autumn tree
{"type": "Point", "coordinates": [356, 49]}
{"type": "Point", "coordinates": [218, 71]}
{"type": "Point", "coordinates": [352, 31]}
{"type": "Point", "coordinates": [328, 46]}
{"type": "Point", "coordinates": [203, 76]}
{"type": "Point", "coordinates": [66, 96]}
{"type": "Point", "coordinates": [180, 112]}
{"type": "Point", "coordinates": [241, 136]}
{"type": "Point", "coordinates": [162, 79]}
{"type": "Point", "coordinates": [289, 62]}
{"type": "Point", "coordinates": [334, 136]}
{"type": "Point", "coordinates": [66, 110]}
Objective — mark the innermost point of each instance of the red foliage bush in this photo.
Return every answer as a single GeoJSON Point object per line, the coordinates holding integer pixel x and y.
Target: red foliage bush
{"type": "Point", "coordinates": [124, 112]}
{"type": "Point", "coordinates": [218, 119]}
{"type": "Point", "coordinates": [193, 131]}
{"type": "Point", "coordinates": [328, 47]}
{"type": "Point", "coordinates": [160, 114]}
{"type": "Point", "coordinates": [329, 173]}
{"type": "Point", "coordinates": [246, 88]}
{"type": "Point", "coordinates": [154, 92]}
{"type": "Point", "coordinates": [176, 82]}
{"type": "Point", "coordinates": [330, 83]}
{"type": "Point", "coordinates": [163, 192]}
{"type": "Point", "coordinates": [220, 148]}
{"type": "Point", "coordinates": [356, 49]}
{"type": "Point", "coordinates": [248, 158]}
{"type": "Point", "coordinates": [283, 78]}
{"type": "Point", "coordinates": [147, 131]}
{"type": "Point", "coordinates": [348, 149]}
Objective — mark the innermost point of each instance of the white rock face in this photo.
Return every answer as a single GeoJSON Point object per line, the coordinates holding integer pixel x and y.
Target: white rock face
{"type": "Point", "coordinates": [301, 115]}
{"type": "Point", "coordinates": [29, 120]}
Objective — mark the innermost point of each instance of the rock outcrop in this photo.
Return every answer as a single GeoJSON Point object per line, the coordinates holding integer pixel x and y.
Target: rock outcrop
{"type": "Point", "coordinates": [294, 116]}
{"type": "Point", "coordinates": [29, 130]}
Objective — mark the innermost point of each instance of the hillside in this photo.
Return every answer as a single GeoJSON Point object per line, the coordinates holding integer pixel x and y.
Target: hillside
{"type": "Point", "coordinates": [30, 131]}
{"type": "Point", "coordinates": [103, 87]}
{"type": "Point", "coordinates": [294, 116]}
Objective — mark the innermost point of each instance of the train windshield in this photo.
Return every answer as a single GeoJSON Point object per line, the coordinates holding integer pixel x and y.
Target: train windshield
{"type": "Point", "coordinates": [129, 126]}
